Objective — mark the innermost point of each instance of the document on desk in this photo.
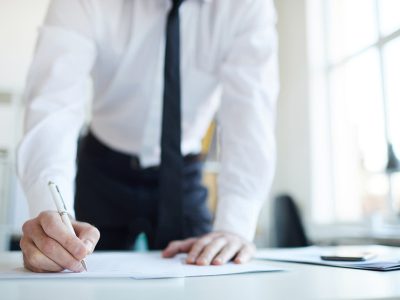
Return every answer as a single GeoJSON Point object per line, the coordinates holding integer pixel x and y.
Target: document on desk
{"type": "Point", "coordinates": [138, 266]}
{"type": "Point", "coordinates": [385, 258]}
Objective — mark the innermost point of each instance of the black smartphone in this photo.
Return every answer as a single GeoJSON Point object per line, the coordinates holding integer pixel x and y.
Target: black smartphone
{"type": "Point", "coordinates": [346, 255]}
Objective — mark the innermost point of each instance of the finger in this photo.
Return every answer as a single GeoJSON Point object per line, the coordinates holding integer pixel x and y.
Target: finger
{"type": "Point", "coordinates": [54, 251]}
{"type": "Point", "coordinates": [210, 251]}
{"type": "Point", "coordinates": [56, 229]}
{"type": "Point", "coordinates": [197, 248]}
{"type": "Point", "coordinates": [244, 254]}
{"type": "Point", "coordinates": [227, 253]}
{"type": "Point", "coordinates": [88, 234]}
{"type": "Point", "coordinates": [36, 261]}
{"type": "Point", "coordinates": [176, 247]}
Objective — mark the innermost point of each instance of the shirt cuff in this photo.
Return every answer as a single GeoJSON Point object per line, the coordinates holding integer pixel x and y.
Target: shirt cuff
{"type": "Point", "coordinates": [40, 198]}
{"type": "Point", "coordinates": [238, 216]}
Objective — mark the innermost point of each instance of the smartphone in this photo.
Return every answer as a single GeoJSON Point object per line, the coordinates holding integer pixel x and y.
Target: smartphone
{"type": "Point", "coordinates": [348, 255]}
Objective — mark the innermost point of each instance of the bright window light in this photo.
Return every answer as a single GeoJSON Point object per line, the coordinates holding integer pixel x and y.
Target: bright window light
{"type": "Point", "coordinates": [362, 116]}
{"type": "Point", "coordinates": [352, 26]}
{"type": "Point", "coordinates": [391, 56]}
{"type": "Point", "coordinates": [389, 15]}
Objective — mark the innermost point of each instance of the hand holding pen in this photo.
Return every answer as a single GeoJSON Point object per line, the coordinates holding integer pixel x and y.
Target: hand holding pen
{"type": "Point", "coordinates": [62, 210]}
{"type": "Point", "coordinates": [49, 246]}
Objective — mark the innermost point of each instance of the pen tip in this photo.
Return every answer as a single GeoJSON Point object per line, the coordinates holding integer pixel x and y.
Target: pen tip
{"type": "Point", "coordinates": [84, 265]}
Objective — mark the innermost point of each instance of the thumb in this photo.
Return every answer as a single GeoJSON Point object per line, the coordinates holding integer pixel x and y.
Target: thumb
{"type": "Point", "coordinates": [88, 234]}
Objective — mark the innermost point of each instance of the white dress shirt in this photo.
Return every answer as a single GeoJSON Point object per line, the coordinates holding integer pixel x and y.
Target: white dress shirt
{"type": "Point", "coordinates": [228, 71]}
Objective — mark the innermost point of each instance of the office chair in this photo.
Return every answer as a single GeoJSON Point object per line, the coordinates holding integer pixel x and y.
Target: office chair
{"type": "Point", "coordinates": [288, 229]}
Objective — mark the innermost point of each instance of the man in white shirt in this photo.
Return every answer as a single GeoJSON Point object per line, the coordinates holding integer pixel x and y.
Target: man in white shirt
{"type": "Point", "coordinates": [226, 68]}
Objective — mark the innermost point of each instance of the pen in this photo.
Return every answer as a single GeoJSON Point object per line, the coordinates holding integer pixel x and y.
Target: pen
{"type": "Point", "coordinates": [62, 210]}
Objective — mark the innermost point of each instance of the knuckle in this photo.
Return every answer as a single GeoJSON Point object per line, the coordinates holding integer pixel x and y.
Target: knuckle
{"type": "Point", "coordinates": [44, 215]}
{"type": "Point", "coordinates": [209, 248]}
{"type": "Point", "coordinates": [222, 240]}
{"type": "Point", "coordinates": [235, 245]}
{"type": "Point", "coordinates": [27, 227]}
{"type": "Point", "coordinates": [214, 234]}
{"type": "Point", "coordinates": [48, 246]}
{"type": "Point", "coordinates": [33, 259]}
{"type": "Point", "coordinates": [69, 242]}
{"type": "Point", "coordinates": [96, 233]}
{"type": "Point", "coordinates": [89, 229]}
{"type": "Point", "coordinates": [93, 234]}
{"type": "Point", "coordinates": [48, 223]}
{"type": "Point", "coordinates": [174, 244]}
{"type": "Point", "coordinates": [235, 239]}
{"type": "Point", "coordinates": [74, 247]}
{"type": "Point", "coordinates": [23, 243]}
{"type": "Point", "coordinates": [203, 242]}
{"type": "Point", "coordinates": [197, 248]}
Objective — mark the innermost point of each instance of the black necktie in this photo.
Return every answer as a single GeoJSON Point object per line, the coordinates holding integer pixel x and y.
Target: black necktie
{"type": "Point", "coordinates": [170, 215]}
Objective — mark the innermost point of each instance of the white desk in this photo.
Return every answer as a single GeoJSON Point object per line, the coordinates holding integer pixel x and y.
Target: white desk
{"type": "Point", "coordinates": [299, 282]}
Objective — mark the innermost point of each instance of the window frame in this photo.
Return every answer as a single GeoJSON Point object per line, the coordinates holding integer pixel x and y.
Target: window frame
{"type": "Point", "coordinates": [320, 72]}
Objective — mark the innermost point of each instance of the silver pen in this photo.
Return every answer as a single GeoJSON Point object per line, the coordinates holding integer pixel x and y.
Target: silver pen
{"type": "Point", "coordinates": [62, 210]}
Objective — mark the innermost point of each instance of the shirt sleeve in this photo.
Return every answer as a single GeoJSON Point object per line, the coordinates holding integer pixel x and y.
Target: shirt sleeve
{"type": "Point", "coordinates": [55, 103]}
{"type": "Point", "coordinates": [247, 120]}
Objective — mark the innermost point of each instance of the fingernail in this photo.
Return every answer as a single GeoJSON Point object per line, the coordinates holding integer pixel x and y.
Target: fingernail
{"type": "Point", "coordinates": [202, 261]}
{"type": "Point", "coordinates": [89, 246]}
{"type": "Point", "coordinates": [217, 261]}
{"type": "Point", "coordinates": [78, 267]}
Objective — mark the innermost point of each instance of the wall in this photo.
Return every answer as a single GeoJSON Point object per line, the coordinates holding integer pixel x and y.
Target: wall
{"type": "Point", "coordinates": [19, 22]}
{"type": "Point", "coordinates": [293, 130]}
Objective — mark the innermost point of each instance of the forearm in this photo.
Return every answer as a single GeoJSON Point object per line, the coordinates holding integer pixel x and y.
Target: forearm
{"type": "Point", "coordinates": [55, 100]}
{"type": "Point", "coordinates": [247, 120]}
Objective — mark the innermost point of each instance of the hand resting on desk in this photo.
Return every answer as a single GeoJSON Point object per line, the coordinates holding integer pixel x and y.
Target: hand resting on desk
{"type": "Point", "coordinates": [47, 246]}
{"type": "Point", "coordinates": [214, 248]}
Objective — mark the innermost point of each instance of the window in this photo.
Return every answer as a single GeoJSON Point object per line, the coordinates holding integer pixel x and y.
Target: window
{"type": "Point", "coordinates": [362, 74]}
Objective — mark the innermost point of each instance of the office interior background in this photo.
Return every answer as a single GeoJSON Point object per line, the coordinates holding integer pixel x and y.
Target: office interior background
{"type": "Point", "coordinates": [338, 124]}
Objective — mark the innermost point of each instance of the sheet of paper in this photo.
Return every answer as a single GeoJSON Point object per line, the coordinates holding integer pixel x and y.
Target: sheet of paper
{"type": "Point", "coordinates": [385, 259]}
{"type": "Point", "coordinates": [138, 266]}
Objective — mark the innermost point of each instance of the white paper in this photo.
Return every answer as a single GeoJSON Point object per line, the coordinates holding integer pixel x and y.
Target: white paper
{"type": "Point", "coordinates": [385, 258]}
{"type": "Point", "coordinates": [138, 266]}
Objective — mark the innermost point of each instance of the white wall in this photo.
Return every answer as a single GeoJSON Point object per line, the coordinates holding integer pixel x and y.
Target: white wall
{"type": "Point", "coordinates": [293, 131]}
{"type": "Point", "coordinates": [19, 23]}
{"type": "Point", "coordinates": [293, 174]}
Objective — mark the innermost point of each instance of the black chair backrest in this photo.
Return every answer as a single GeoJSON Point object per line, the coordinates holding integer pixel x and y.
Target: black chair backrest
{"type": "Point", "coordinates": [287, 225]}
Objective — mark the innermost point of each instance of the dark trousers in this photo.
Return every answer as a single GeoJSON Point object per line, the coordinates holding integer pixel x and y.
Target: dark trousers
{"type": "Point", "coordinates": [121, 199]}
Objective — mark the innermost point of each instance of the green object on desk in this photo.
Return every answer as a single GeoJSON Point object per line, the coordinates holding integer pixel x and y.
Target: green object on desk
{"type": "Point", "coordinates": [141, 244]}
